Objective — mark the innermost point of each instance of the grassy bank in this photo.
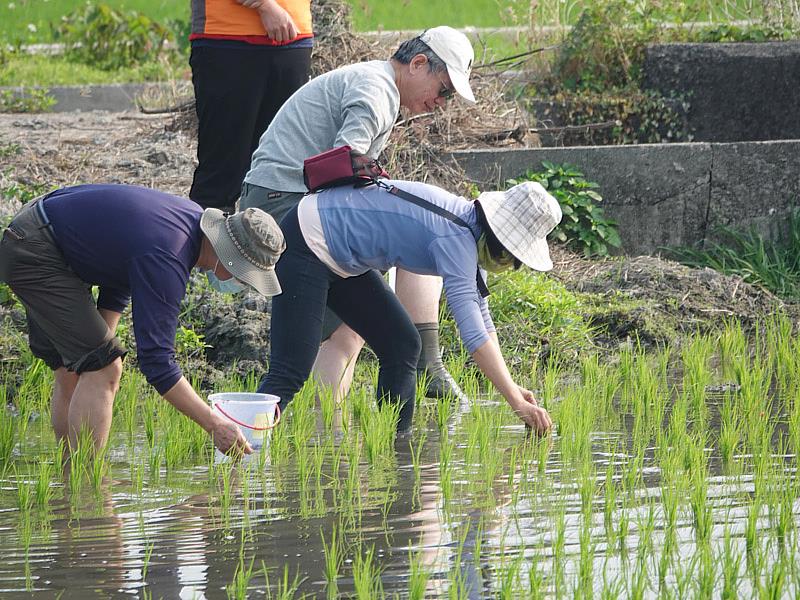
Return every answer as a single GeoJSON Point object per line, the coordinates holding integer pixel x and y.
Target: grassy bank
{"type": "Point", "coordinates": [28, 21]}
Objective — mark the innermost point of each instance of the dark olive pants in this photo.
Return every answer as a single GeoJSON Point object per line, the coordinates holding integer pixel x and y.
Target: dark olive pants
{"type": "Point", "coordinates": [64, 325]}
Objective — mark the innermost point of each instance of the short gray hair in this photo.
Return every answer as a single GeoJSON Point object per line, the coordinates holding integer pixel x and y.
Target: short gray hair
{"type": "Point", "coordinates": [410, 48]}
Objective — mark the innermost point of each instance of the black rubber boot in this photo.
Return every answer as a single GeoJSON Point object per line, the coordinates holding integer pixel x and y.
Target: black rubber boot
{"type": "Point", "coordinates": [430, 367]}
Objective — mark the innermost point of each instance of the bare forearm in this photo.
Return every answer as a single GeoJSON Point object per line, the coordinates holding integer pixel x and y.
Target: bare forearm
{"type": "Point", "coordinates": [490, 361]}
{"type": "Point", "coordinates": [225, 434]}
{"type": "Point", "coordinates": [185, 399]}
{"type": "Point", "coordinates": [522, 401]}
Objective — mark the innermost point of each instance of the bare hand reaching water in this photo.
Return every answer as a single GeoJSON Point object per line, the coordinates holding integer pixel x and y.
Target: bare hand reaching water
{"type": "Point", "coordinates": [229, 439]}
{"type": "Point", "coordinates": [534, 416]}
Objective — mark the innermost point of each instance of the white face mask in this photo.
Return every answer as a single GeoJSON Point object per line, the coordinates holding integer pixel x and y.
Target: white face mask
{"type": "Point", "coordinates": [225, 286]}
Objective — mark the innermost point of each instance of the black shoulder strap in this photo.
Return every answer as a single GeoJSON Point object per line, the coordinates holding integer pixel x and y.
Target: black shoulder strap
{"type": "Point", "coordinates": [483, 289]}
{"type": "Point", "coordinates": [442, 212]}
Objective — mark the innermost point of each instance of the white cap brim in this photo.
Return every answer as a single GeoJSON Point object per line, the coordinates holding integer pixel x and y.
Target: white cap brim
{"type": "Point", "coordinates": [460, 83]}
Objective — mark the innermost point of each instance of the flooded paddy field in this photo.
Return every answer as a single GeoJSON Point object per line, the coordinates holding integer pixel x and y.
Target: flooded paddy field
{"type": "Point", "coordinates": [670, 474]}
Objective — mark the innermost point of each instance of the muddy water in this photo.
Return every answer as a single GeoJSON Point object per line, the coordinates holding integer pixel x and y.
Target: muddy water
{"type": "Point", "coordinates": [173, 538]}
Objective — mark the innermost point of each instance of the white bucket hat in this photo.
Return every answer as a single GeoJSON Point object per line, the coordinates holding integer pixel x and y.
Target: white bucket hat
{"type": "Point", "coordinates": [248, 244]}
{"type": "Point", "coordinates": [521, 218]}
{"type": "Point", "coordinates": [455, 50]}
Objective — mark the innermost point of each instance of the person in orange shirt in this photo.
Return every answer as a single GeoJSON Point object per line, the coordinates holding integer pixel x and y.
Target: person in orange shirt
{"type": "Point", "coordinates": [247, 58]}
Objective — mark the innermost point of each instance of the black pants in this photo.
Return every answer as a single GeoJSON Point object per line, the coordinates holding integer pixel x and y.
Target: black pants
{"type": "Point", "coordinates": [364, 302]}
{"type": "Point", "coordinates": [238, 91]}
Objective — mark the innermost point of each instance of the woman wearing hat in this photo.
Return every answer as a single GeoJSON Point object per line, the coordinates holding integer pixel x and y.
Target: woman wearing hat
{"type": "Point", "coordinates": [337, 239]}
{"type": "Point", "coordinates": [138, 246]}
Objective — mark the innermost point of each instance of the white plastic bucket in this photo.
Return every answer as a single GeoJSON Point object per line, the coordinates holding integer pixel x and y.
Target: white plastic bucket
{"type": "Point", "coordinates": [255, 414]}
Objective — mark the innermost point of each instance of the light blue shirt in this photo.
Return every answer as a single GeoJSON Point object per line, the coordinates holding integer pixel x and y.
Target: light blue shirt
{"type": "Point", "coordinates": [369, 228]}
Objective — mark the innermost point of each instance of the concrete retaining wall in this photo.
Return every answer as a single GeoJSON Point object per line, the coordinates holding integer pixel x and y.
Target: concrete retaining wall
{"type": "Point", "coordinates": [737, 92]}
{"type": "Point", "coordinates": [669, 194]}
{"type": "Point", "coordinates": [114, 97]}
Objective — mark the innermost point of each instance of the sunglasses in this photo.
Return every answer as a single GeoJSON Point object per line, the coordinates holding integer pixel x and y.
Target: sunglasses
{"type": "Point", "coordinates": [446, 92]}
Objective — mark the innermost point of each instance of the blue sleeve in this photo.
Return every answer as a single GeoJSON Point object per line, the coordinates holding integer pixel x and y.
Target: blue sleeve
{"type": "Point", "coordinates": [158, 284]}
{"type": "Point", "coordinates": [113, 299]}
{"type": "Point", "coordinates": [487, 316]}
{"type": "Point", "coordinates": [457, 262]}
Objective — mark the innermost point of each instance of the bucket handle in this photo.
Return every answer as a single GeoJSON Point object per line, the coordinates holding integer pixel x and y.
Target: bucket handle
{"type": "Point", "coordinates": [253, 427]}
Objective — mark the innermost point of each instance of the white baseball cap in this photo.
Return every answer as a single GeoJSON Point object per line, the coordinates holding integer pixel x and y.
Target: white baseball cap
{"type": "Point", "coordinates": [520, 218]}
{"type": "Point", "coordinates": [456, 52]}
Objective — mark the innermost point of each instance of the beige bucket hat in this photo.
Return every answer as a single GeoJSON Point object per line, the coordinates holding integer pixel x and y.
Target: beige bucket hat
{"type": "Point", "coordinates": [521, 218]}
{"type": "Point", "coordinates": [248, 244]}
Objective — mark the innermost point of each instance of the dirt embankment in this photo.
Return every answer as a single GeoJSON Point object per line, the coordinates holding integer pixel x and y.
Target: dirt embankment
{"type": "Point", "coordinates": [637, 297]}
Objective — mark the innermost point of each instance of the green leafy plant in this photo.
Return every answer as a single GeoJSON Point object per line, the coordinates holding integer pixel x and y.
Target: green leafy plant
{"type": "Point", "coordinates": [22, 192]}
{"type": "Point", "coordinates": [606, 47]}
{"type": "Point", "coordinates": [109, 38]}
{"type": "Point", "coordinates": [637, 116]}
{"type": "Point", "coordinates": [27, 100]}
{"type": "Point", "coordinates": [189, 343]}
{"type": "Point", "coordinates": [583, 226]}
{"type": "Point", "coordinates": [726, 32]}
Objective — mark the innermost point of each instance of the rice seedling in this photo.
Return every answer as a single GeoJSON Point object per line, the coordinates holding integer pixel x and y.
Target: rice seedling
{"type": "Point", "coordinates": [80, 457]}
{"type": "Point", "coordinates": [279, 445]}
{"type": "Point", "coordinates": [149, 418]}
{"type": "Point", "coordinates": [731, 566]}
{"type": "Point", "coordinates": [286, 589]}
{"type": "Point", "coordinates": [639, 583]}
{"type": "Point", "coordinates": [418, 575]}
{"type": "Point", "coordinates": [333, 562]}
{"type": "Point", "coordinates": [730, 433]}
{"type": "Point", "coordinates": [559, 551]}
{"type": "Point", "coordinates": [25, 495]}
{"type": "Point", "coordinates": [154, 459]}
{"type": "Point", "coordinates": [445, 408]}
{"type": "Point", "coordinates": [575, 423]}
{"type": "Point", "coordinates": [698, 497]}
{"type": "Point", "coordinates": [753, 552]}
{"type": "Point", "coordinates": [148, 554]}
{"type": "Point", "coordinates": [43, 492]}
{"type": "Point", "coordinates": [225, 488]}
{"type": "Point", "coordinates": [646, 525]}
{"type": "Point", "coordinates": [612, 589]}
{"type": "Point", "coordinates": [379, 429]}
{"type": "Point", "coordinates": [98, 468]}
{"type": "Point", "coordinates": [706, 575]}
{"type": "Point", "coordinates": [697, 376]}
{"type": "Point", "coordinates": [8, 439]}
{"type": "Point", "coordinates": [536, 581]}
{"type": "Point", "coordinates": [775, 583]}
{"type": "Point", "coordinates": [126, 402]}
{"type": "Point", "coordinates": [416, 465]}
{"type": "Point", "coordinates": [237, 589]}
{"type": "Point", "coordinates": [588, 547]}
{"type": "Point", "coordinates": [507, 576]}
{"type": "Point", "coordinates": [609, 505]}
{"type": "Point", "coordinates": [445, 472]}
{"type": "Point", "coordinates": [302, 424]}
{"type": "Point", "coordinates": [327, 404]}
{"type": "Point", "coordinates": [551, 381]}
{"type": "Point", "coordinates": [367, 575]}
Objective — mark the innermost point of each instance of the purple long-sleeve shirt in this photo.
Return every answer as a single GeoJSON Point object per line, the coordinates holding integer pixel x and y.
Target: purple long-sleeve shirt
{"type": "Point", "coordinates": [138, 245]}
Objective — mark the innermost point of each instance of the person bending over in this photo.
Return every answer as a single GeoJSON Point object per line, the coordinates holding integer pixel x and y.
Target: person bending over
{"type": "Point", "coordinates": [139, 246]}
{"type": "Point", "coordinates": [338, 240]}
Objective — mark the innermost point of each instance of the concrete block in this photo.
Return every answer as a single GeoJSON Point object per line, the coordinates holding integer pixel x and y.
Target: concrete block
{"type": "Point", "coordinates": [755, 184]}
{"type": "Point", "coordinates": [657, 193]}
{"type": "Point", "coordinates": [736, 91]}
